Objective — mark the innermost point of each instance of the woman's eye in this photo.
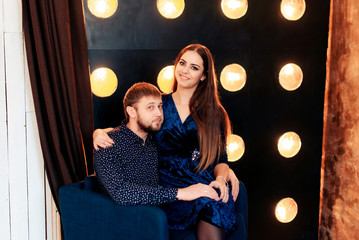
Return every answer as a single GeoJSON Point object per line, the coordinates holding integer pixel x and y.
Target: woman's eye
{"type": "Point", "coordinates": [195, 68]}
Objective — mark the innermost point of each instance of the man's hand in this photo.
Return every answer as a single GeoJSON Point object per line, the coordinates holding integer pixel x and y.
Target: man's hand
{"type": "Point", "coordinates": [101, 139]}
{"type": "Point", "coordinates": [196, 191]}
{"type": "Point", "coordinates": [232, 178]}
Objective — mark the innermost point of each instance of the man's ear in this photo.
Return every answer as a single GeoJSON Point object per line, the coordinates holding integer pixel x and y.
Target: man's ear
{"type": "Point", "coordinates": [131, 111]}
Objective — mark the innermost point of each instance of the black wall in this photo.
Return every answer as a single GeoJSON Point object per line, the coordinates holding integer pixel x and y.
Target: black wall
{"type": "Point", "coordinates": [137, 42]}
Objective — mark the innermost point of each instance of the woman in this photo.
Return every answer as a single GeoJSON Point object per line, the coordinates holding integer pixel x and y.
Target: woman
{"type": "Point", "coordinates": [192, 148]}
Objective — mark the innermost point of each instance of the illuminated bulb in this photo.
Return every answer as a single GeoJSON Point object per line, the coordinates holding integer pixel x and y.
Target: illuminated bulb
{"type": "Point", "coordinates": [233, 77]}
{"type": "Point", "coordinates": [170, 8]}
{"type": "Point", "coordinates": [235, 147]}
{"type": "Point", "coordinates": [102, 8]}
{"type": "Point", "coordinates": [103, 82]}
{"type": "Point", "coordinates": [289, 144]}
{"type": "Point", "coordinates": [286, 210]}
{"type": "Point", "coordinates": [292, 9]}
{"type": "Point", "coordinates": [165, 79]}
{"type": "Point", "coordinates": [234, 9]}
{"type": "Point", "coordinates": [290, 77]}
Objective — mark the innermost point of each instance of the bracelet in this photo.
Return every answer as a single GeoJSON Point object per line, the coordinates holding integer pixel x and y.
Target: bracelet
{"type": "Point", "coordinates": [222, 178]}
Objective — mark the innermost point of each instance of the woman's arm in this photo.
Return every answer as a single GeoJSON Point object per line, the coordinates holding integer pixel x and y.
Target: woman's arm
{"type": "Point", "coordinates": [232, 178]}
{"type": "Point", "coordinates": [221, 173]}
{"type": "Point", "coordinates": [101, 139]}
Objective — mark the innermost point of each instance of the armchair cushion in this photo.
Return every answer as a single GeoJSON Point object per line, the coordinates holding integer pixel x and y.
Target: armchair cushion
{"type": "Point", "coordinates": [87, 212]}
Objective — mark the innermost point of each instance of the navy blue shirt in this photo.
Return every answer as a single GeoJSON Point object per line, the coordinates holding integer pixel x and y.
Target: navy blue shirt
{"type": "Point", "coordinates": [129, 169]}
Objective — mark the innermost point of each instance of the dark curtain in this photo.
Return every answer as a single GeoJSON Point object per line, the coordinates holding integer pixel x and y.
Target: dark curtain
{"type": "Point", "coordinates": [57, 55]}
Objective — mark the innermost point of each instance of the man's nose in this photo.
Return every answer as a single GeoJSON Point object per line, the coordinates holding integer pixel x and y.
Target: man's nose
{"type": "Point", "coordinates": [159, 111]}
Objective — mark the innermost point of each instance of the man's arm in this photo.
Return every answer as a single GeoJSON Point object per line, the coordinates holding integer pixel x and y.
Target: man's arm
{"type": "Point", "coordinates": [108, 171]}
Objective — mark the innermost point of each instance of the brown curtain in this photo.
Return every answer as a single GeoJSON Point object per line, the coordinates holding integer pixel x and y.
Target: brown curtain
{"type": "Point", "coordinates": [339, 204]}
{"type": "Point", "coordinates": [57, 55]}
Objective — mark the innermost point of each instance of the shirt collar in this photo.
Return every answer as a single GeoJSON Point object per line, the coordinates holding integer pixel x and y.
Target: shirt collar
{"type": "Point", "coordinates": [133, 136]}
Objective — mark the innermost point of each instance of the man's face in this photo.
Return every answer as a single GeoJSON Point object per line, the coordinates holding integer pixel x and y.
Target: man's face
{"type": "Point", "coordinates": [149, 113]}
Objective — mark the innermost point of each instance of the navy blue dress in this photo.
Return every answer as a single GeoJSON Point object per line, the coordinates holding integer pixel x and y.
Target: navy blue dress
{"type": "Point", "coordinates": [178, 149]}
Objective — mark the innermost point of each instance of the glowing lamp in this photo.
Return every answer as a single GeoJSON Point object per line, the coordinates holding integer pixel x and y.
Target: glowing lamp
{"type": "Point", "coordinates": [289, 144]}
{"type": "Point", "coordinates": [234, 9]}
{"type": "Point", "coordinates": [165, 79]}
{"type": "Point", "coordinates": [235, 147]}
{"type": "Point", "coordinates": [103, 82]}
{"type": "Point", "coordinates": [170, 8]}
{"type": "Point", "coordinates": [286, 210]}
{"type": "Point", "coordinates": [290, 77]}
{"type": "Point", "coordinates": [102, 8]}
{"type": "Point", "coordinates": [292, 9]}
{"type": "Point", "coordinates": [233, 77]}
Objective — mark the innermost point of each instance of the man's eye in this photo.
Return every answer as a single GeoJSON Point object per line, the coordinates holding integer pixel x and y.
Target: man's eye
{"type": "Point", "coordinates": [150, 107]}
{"type": "Point", "coordinates": [159, 106]}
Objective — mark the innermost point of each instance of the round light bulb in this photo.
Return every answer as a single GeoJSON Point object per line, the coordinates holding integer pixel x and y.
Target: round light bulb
{"type": "Point", "coordinates": [170, 8]}
{"type": "Point", "coordinates": [235, 147]}
{"type": "Point", "coordinates": [286, 210]}
{"type": "Point", "coordinates": [289, 144]}
{"type": "Point", "coordinates": [234, 9]}
{"type": "Point", "coordinates": [292, 9]}
{"type": "Point", "coordinates": [103, 82]}
{"type": "Point", "coordinates": [290, 77]}
{"type": "Point", "coordinates": [233, 77]}
{"type": "Point", "coordinates": [165, 79]}
{"type": "Point", "coordinates": [102, 8]}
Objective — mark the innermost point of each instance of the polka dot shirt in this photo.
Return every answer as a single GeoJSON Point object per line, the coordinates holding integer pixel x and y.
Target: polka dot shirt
{"type": "Point", "coordinates": [129, 170]}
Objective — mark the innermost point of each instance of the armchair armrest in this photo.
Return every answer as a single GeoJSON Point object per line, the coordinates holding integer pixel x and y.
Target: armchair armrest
{"type": "Point", "coordinates": [90, 215]}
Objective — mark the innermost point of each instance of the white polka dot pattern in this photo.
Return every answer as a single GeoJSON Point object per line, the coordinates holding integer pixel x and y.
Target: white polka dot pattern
{"type": "Point", "coordinates": [129, 170]}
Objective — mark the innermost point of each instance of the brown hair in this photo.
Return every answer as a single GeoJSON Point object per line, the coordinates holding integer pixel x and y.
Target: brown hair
{"type": "Point", "coordinates": [136, 92]}
{"type": "Point", "coordinates": [207, 110]}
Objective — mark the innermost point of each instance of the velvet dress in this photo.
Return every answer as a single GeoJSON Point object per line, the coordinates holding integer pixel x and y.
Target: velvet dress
{"type": "Point", "coordinates": [178, 158]}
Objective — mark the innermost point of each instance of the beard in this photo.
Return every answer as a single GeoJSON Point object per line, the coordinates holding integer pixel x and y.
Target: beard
{"type": "Point", "coordinates": [150, 128]}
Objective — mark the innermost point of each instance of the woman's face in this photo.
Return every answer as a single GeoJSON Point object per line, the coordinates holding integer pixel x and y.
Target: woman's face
{"type": "Point", "coordinates": [189, 70]}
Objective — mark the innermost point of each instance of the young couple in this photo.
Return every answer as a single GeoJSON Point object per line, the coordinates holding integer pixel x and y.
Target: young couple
{"type": "Point", "coordinates": [171, 150]}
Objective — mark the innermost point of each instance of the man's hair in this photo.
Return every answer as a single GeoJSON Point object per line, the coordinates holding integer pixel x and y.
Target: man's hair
{"type": "Point", "coordinates": [136, 92]}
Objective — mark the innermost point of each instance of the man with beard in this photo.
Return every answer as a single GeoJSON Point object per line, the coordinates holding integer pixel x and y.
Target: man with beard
{"type": "Point", "coordinates": [128, 169]}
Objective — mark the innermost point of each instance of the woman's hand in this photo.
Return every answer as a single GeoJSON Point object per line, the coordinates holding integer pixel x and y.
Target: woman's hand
{"type": "Point", "coordinates": [221, 184]}
{"type": "Point", "coordinates": [101, 139]}
{"type": "Point", "coordinates": [232, 178]}
{"type": "Point", "coordinates": [196, 191]}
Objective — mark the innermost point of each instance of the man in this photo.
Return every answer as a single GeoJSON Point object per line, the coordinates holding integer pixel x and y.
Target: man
{"type": "Point", "coordinates": [128, 169]}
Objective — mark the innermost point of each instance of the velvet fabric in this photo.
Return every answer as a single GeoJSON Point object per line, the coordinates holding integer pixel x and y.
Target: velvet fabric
{"type": "Point", "coordinates": [178, 158]}
{"type": "Point", "coordinates": [87, 212]}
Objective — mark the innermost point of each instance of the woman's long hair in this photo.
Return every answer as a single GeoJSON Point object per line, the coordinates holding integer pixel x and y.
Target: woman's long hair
{"type": "Point", "coordinates": [207, 110]}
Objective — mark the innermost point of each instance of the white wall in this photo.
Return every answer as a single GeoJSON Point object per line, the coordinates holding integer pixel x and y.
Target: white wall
{"type": "Point", "coordinates": [25, 199]}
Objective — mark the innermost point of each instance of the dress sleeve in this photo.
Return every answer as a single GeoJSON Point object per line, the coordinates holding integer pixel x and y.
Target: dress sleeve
{"type": "Point", "coordinates": [107, 165]}
{"type": "Point", "coordinates": [223, 157]}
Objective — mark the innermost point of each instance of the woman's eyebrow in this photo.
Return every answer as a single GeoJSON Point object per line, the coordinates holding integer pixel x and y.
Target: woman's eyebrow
{"type": "Point", "coordinates": [193, 64]}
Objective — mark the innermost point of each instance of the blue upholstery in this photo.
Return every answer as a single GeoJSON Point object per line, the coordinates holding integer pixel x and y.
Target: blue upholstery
{"type": "Point", "coordinates": [86, 213]}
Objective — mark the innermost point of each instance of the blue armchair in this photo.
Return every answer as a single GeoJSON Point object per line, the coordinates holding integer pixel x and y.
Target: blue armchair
{"type": "Point", "coordinates": [86, 213]}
